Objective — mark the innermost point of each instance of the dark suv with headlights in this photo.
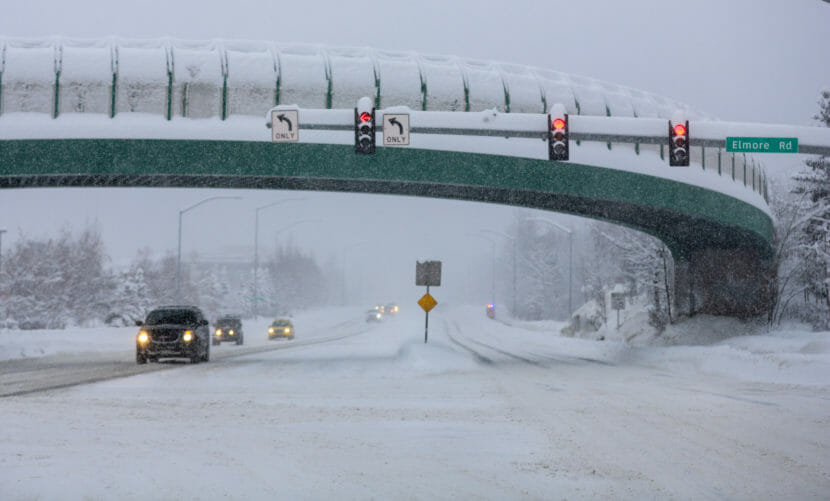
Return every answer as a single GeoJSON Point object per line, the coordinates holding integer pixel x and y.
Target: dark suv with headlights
{"type": "Point", "coordinates": [228, 328]}
{"type": "Point", "coordinates": [173, 332]}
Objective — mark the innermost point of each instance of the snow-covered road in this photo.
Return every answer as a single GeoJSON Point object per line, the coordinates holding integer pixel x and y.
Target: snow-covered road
{"type": "Point", "coordinates": [484, 410]}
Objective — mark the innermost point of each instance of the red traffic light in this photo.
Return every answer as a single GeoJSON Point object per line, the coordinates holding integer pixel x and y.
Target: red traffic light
{"type": "Point", "coordinates": [365, 117]}
{"type": "Point", "coordinates": [558, 124]}
{"type": "Point", "coordinates": [679, 130]}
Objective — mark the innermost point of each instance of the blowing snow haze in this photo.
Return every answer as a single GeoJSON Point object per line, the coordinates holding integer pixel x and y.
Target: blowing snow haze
{"type": "Point", "coordinates": [739, 61]}
{"type": "Point", "coordinates": [568, 356]}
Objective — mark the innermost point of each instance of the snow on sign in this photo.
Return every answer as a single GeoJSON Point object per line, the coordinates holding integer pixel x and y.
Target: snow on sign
{"type": "Point", "coordinates": [428, 273]}
{"type": "Point", "coordinates": [285, 126]}
{"type": "Point", "coordinates": [396, 129]}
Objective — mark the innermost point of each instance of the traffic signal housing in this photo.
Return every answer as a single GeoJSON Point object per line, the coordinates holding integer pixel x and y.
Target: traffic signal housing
{"type": "Point", "coordinates": [558, 134]}
{"type": "Point", "coordinates": [679, 144]}
{"type": "Point", "coordinates": [364, 127]}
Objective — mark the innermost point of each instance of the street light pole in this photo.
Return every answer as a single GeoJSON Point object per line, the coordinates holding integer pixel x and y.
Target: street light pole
{"type": "Point", "coordinates": [1, 253]}
{"type": "Point", "coordinates": [289, 226]}
{"type": "Point", "coordinates": [513, 240]}
{"type": "Point", "coordinates": [256, 249]}
{"type": "Point", "coordinates": [1, 248]}
{"type": "Point", "coordinates": [343, 258]}
{"type": "Point", "coordinates": [179, 254]}
{"type": "Point", "coordinates": [493, 248]}
{"type": "Point", "coordinates": [570, 257]}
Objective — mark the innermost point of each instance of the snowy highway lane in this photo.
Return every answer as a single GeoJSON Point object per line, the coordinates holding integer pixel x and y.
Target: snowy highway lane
{"type": "Point", "coordinates": [485, 410]}
{"type": "Point", "coordinates": [27, 375]}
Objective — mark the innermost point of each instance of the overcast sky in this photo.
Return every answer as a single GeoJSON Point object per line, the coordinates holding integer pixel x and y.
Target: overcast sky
{"type": "Point", "coordinates": [739, 60]}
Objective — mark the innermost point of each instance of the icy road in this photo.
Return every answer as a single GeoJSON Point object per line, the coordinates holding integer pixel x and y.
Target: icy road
{"type": "Point", "coordinates": [349, 410]}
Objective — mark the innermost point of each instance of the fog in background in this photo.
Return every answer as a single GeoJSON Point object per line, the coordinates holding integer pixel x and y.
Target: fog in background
{"type": "Point", "coordinates": [743, 60]}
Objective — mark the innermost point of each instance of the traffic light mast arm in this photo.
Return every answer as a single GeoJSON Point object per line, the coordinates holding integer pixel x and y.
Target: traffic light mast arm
{"type": "Point", "coordinates": [643, 130]}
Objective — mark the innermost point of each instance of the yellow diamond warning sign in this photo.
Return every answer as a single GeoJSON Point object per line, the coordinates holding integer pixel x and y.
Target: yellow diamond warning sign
{"type": "Point", "coordinates": [427, 302]}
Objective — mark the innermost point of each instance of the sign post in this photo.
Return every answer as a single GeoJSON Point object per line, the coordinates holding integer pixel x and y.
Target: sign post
{"type": "Point", "coordinates": [427, 273]}
{"type": "Point", "coordinates": [618, 303]}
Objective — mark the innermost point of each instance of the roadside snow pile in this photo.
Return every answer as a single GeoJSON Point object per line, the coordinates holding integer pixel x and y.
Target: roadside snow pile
{"type": "Point", "coordinates": [781, 357]}
{"type": "Point", "coordinates": [16, 344]}
{"type": "Point", "coordinates": [705, 330]}
{"type": "Point", "coordinates": [593, 321]}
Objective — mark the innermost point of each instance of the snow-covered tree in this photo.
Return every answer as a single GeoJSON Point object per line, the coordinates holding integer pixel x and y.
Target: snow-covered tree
{"type": "Point", "coordinates": [814, 239]}
{"type": "Point", "coordinates": [533, 265]}
{"type": "Point", "coordinates": [130, 298]}
{"type": "Point", "coordinates": [56, 282]}
{"type": "Point", "coordinates": [643, 264]}
{"type": "Point", "coordinates": [296, 281]}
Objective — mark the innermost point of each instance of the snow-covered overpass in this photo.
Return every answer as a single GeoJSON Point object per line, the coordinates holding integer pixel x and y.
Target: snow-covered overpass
{"type": "Point", "coordinates": [182, 113]}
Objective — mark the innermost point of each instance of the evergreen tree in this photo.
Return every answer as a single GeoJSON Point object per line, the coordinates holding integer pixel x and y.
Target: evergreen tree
{"type": "Point", "coordinates": [814, 241]}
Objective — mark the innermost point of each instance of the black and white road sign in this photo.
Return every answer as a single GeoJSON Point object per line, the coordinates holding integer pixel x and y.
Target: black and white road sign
{"type": "Point", "coordinates": [285, 126]}
{"type": "Point", "coordinates": [395, 129]}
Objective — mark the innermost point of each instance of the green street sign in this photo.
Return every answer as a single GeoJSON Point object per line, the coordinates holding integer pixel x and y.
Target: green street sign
{"type": "Point", "coordinates": [762, 144]}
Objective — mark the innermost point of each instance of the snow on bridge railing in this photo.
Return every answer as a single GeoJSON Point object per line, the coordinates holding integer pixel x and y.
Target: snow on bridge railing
{"type": "Point", "coordinates": [226, 80]}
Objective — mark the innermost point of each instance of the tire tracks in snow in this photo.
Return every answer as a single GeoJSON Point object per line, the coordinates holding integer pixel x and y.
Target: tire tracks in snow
{"type": "Point", "coordinates": [27, 376]}
{"type": "Point", "coordinates": [489, 354]}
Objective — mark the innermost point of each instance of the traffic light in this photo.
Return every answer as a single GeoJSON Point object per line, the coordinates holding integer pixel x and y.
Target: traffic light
{"type": "Point", "coordinates": [364, 127]}
{"type": "Point", "coordinates": [558, 133]}
{"type": "Point", "coordinates": [679, 144]}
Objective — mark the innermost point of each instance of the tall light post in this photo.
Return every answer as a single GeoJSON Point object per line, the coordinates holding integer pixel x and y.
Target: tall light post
{"type": "Point", "coordinates": [289, 226]}
{"type": "Point", "coordinates": [1, 259]}
{"type": "Point", "coordinates": [1, 249]}
{"type": "Point", "coordinates": [276, 234]}
{"type": "Point", "coordinates": [1, 266]}
{"type": "Point", "coordinates": [570, 256]}
{"type": "Point", "coordinates": [179, 255]}
{"type": "Point", "coordinates": [493, 247]}
{"type": "Point", "coordinates": [343, 257]}
{"type": "Point", "coordinates": [256, 247]}
{"type": "Point", "coordinates": [513, 240]}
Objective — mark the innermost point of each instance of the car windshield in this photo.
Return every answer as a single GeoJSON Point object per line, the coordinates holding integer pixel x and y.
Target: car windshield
{"type": "Point", "coordinates": [281, 323]}
{"type": "Point", "coordinates": [159, 317]}
{"type": "Point", "coordinates": [232, 323]}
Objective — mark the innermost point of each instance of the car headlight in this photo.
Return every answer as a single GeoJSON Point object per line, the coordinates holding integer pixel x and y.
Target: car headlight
{"type": "Point", "coordinates": [188, 336]}
{"type": "Point", "coordinates": [219, 332]}
{"type": "Point", "coordinates": [143, 337]}
{"type": "Point", "coordinates": [287, 330]}
{"type": "Point", "coordinates": [270, 330]}
{"type": "Point", "coordinates": [230, 332]}
{"type": "Point", "coordinates": [377, 316]}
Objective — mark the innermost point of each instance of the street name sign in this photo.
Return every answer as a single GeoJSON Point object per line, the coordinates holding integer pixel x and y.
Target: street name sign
{"type": "Point", "coordinates": [396, 129]}
{"type": "Point", "coordinates": [285, 126]}
{"type": "Point", "coordinates": [762, 144]}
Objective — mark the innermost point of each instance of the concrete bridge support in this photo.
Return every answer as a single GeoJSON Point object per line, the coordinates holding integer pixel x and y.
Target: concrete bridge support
{"type": "Point", "coordinates": [732, 282]}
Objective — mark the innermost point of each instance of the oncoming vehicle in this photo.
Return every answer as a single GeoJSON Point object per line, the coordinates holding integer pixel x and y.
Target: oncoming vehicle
{"type": "Point", "coordinates": [281, 328]}
{"type": "Point", "coordinates": [228, 328]}
{"type": "Point", "coordinates": [173, 332]}
{"type": "Point", "coordinates": [491, 310]}
{"type": "Point", "coordinates": [392, 309]}
{"type": "Point", "coordinates": [374, 315]}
